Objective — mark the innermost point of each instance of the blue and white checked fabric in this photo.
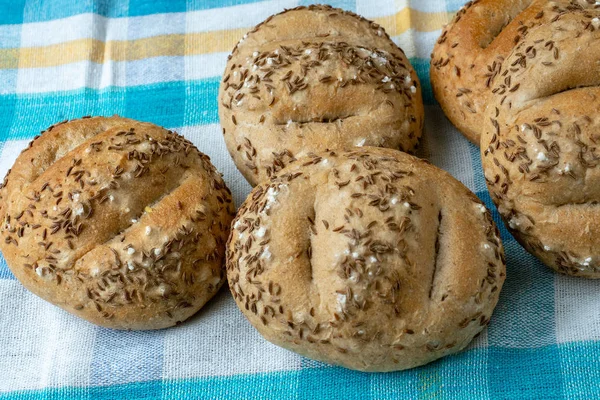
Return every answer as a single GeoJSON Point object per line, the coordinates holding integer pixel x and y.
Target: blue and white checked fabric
{"type": "Point", "coordinates": [160, 61]}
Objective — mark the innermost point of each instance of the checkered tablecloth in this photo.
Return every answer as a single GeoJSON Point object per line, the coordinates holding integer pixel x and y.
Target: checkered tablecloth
{"type": "Point", "coordinates": [160, 61]}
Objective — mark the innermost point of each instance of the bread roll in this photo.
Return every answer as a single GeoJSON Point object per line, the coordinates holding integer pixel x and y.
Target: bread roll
{"type": "Point", "coordinates": [540, 142]}
{"type": "Point", "coordinates": [470, 51]}
{"type": "Point", "coordinates": [316, 78]}
{"type": "Point", "coordinates": [119, 222]}
{"type": "Point", "coordinates": [370, 259]}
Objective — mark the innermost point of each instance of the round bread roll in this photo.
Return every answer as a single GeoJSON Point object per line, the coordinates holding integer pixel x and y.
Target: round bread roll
{"type": "Point", "coordinates": [371, 259]}
{"type": "Point", "coordinates": [540, 143]}
{"type": "Point", "coordinates": [311, 79]}
{"type": "Point", "coordinates": [469, 53]}
{"type": "Point", "coordinates": [119, 222]}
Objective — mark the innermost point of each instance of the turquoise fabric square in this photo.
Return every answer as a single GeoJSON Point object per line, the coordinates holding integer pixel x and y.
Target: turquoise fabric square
{"type": "Point", "coordinates": [11, 12]}
{"type": "Point", "coordinates": [146, 7]}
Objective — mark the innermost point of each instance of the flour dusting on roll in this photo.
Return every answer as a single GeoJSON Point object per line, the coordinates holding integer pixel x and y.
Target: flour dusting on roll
{"type": "Point", "coordinates": [540, 140]}
{"type": "Point", "coordinates": [370, 258]}
{"type": "Point", "coordinates": [120, 222]}
{"type": "Point", "coordinates": [311, 79]}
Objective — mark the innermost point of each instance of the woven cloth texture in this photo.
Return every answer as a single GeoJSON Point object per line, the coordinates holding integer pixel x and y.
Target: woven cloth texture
{"type": "Point", "coordinates": [160, 61]}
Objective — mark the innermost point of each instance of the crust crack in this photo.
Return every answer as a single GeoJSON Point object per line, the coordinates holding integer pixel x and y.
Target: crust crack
{"type": "Point", "coordinates": [67, 154]}
{"type": "Point", "coordinates": [497, 29]}
{"type": "Point", "coordinates": [564, 90]}
{"type": "Point", "coordinates": [436, 255]}
{"type": "Point", "coordinates": [316, 120]}
{"type": "Point", "coordinates": [311, 234]}
{"type": "Point", "coordinates": [129, 224]}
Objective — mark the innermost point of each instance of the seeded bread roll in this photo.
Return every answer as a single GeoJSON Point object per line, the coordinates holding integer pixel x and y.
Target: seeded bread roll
{"type": "Point", "coordinates": [540, 143]}
{"type": "Point", "coordinates": [469, 53]}
{"type": "Point", "coordinates": [311, 79]}
{"type": "Point", "coordinates": [119, 222]}
{"type": "Point", "coordinates": [370, 259]}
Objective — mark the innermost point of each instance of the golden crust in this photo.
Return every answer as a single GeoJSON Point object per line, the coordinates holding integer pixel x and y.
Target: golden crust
{"type": "Point", "coordinates": [316, 78]}
{"type": "Point", "coordinates": [470, 51]}
{"type": "Point", "coordinates": [540, 140]}
{"type": "Point", "coordinates": [119, 222]}
{"type": "Point", "coordinates": [371, 259]}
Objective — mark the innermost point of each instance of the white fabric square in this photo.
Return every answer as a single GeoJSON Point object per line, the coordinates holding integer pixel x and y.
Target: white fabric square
{"type": "Point", "coordinates": [445, 147]}
{"type": "Point", "coordinates": [417, 44]}
{"type": "Point", "coordinates": [219, 341]}
{"type": "Point", "coordinates": [9, 153]}
{"type": "Point", "coordinates": [239, 16]}
{"type": "Point", "coordinates": [379, 8]}
{"type": "Point", "coordinates": [576, 305]}
{"type": "Point", "coordinates": [154, 70]}
{"type": "Point", "coordinates": [47, 347]}
{"type": "Point", "coordinates": [83, 74]}
{"type": "Point", "coordinates": [203, 66]}
{"type": "Point", "coordinates": [82, 26]}
{"type": "Point", "coordinates": [155, 25]}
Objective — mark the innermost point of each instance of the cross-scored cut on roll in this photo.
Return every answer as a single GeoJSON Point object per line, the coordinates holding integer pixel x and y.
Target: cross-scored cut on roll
{"type": "Point", "coordinates": [316, 78]}
{"type": "Point", "coordinates": [371, 259]}
{"type": "Point", "coordinates": [120, 222]}
{"type": "Point", "coordinates": [469, 53]}
{"type": "Point", "coordinates": [540, 143]}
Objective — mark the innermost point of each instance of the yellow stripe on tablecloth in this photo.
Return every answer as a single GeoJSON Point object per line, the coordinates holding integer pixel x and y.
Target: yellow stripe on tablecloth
{"type": "Point", "coordinates": [407, 18]}
{"type": "Point", "coordinates": [180, 44]}
{"type": "Point", "coordinates": [9, 58]}
{"type": "Point", "coordinates": [125, 50]}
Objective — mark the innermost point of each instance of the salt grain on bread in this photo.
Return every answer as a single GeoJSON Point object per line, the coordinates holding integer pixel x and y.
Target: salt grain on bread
{"type": "Point", "coordinates": [370, 259]}
{"type": "Point", "coordinates": [119, 222]}
{"type": "Point", "coordinates": [316, 78]}
{"type": "Point", "coordinates": [540, 139]}
{"type": "Point", "coordinates": [470, 51]}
